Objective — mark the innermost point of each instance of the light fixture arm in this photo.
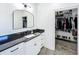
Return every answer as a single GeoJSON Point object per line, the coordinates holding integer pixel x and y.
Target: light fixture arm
{"type": "Point", "coordinates": [26, 5]}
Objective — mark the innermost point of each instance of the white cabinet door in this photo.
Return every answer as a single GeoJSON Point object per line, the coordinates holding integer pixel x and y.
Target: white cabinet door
{"type": "Point", "coordinates": [15, 50]}
{"type": "Point", "coordinates": [38, 44]}
{"type": "Point", "coordinates": [29, 48]}
{"type": "Point", "coordinates": [33, 46]}
{"type": "Point", "coordinates": [43, 40]}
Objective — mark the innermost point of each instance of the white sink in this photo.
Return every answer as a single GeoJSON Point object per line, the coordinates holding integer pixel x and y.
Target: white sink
{"type": "Point", "coordinates": [31, 35]}
{"type": "Point", "coordinates": [37, 33]}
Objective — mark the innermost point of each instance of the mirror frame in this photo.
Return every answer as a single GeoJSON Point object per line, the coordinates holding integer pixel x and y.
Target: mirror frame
{"type": "Point", "coordinates": [13, 20]}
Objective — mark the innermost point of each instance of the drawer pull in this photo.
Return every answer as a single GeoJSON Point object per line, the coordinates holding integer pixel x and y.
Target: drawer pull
{"type": "Point", "coordinates": [14, 49]}
{"type": "Point", "coordinates": [35, 44]}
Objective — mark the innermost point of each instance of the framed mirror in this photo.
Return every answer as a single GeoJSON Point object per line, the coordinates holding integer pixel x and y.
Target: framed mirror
{"type": "Point", "coordinates": [22, 19]}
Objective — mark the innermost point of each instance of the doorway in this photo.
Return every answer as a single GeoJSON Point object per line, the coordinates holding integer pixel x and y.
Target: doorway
{"type": "Point", "coordinates": [66, 30]}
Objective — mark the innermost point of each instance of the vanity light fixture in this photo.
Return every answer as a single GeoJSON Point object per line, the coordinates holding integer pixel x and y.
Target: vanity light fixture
{"type": "Point", "coordinates": [26, 5]}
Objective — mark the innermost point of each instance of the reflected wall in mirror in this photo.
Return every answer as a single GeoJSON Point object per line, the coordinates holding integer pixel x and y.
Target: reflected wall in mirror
{"type": "Point", "coordinates": [22, 19]}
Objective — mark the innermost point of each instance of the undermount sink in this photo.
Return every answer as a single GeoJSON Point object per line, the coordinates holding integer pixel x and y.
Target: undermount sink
{"type": "Point", "coordinates": [37, 33]}
{"type": "Point", "coordinates": [30, 35]}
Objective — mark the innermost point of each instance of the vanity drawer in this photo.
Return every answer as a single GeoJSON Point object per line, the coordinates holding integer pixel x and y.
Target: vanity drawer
{"type": "Point", "coordinates": [15, 50]}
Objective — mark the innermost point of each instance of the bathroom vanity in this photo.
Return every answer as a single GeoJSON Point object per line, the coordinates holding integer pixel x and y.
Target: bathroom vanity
{"type": "Point", "coordinates": [23, 43]}
{"type": "Point", "coordinates": [27, 42]}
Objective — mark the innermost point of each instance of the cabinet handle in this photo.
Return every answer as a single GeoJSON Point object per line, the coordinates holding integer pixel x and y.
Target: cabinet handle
{"type": "Point", "coordinates": [35, 44]}
{"type": "Point", "coordinates": [14, 49]}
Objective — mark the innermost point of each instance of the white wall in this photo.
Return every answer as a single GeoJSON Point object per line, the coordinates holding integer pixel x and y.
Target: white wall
{"type": "Point", "coordinates": [46, 20]}
{"type": "Point", "coordinates": [6, 18]}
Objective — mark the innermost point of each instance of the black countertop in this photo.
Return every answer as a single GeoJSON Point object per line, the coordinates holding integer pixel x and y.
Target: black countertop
{"type": "Point", "coordinates": [17, 38]}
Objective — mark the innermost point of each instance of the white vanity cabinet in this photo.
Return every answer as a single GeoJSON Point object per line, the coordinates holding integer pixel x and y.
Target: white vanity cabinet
{"type": "Point", "coordinates": [15, 50]}
{"type": "Point", "coordinates": [33, 46]}
{"type": "Point", "coordinates": [43, 39]}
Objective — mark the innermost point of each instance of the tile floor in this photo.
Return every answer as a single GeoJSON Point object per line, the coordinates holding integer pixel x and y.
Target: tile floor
{"type": "Point", "coordinates": [62, 48]}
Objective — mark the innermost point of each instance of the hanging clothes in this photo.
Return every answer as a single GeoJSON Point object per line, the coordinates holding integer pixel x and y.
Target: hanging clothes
{"type": "Point", "coordinates": [64, 24]}
{"type": "Point", "coordinates": [75, 21]}
{"type": "Point", "coordinates": [59, 24]}
{"type": "Point", "coordinates": [70, 23]}
{"type": "Point", "coordinates": [67, 23]}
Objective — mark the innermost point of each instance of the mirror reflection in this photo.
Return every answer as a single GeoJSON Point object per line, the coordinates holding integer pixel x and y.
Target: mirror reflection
{"type": "Point", "coordinates": [23, 19]}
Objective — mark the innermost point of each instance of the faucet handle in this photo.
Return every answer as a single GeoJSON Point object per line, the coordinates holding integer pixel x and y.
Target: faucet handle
{"type": "Point", "coordinates": [31, 31]}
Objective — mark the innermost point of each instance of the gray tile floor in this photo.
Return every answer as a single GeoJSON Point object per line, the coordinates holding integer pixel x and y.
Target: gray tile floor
{"type": "Point", "coordinates": [62, 48]}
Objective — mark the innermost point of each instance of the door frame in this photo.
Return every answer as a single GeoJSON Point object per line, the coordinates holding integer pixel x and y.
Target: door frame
{"type": "Point", "coordinates": [67, 8]}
